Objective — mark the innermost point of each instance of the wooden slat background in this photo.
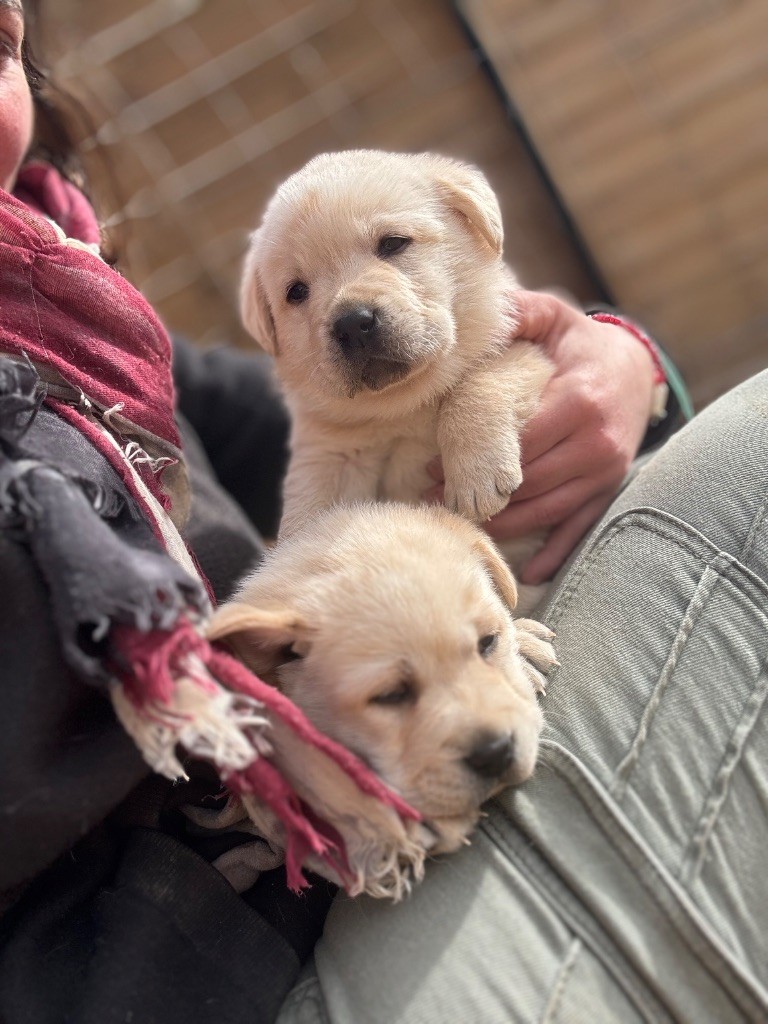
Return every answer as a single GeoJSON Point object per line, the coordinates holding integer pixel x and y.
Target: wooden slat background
{"type": "Point", "coordinates": [204, 107]}
{"type": "Point", "coordinates": [651, 119]}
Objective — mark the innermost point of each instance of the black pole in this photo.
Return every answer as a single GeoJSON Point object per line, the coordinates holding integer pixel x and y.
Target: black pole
{"type": "Point", "coordinates": [602, 290]}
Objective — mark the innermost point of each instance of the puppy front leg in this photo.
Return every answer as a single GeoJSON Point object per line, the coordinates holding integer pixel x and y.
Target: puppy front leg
{"type": "Point", "coordinates": [478, 430]}
{"type": "Point", "coordinates": [318, 479]}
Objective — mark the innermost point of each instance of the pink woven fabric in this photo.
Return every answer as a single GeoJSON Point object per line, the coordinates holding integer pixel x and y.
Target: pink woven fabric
{"type": "Point", "coordinates": [42, 188]}
{"type": "Point", "coordinates": [66, 308]}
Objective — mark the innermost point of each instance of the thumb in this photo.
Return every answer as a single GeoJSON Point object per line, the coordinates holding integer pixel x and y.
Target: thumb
{"type": "Point", "coordinates": [541, 316]}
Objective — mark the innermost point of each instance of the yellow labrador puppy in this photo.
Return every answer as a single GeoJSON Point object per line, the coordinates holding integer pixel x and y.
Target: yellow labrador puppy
{"type": "Point", "coordinates": [391, 627]}
{"type": "Point", "coordinates": [376, 280]}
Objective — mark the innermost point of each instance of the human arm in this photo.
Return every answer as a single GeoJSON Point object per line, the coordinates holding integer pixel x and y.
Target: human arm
{"type": "Point", "coordinates": [593, 420]}
{"type": "Point", "coordinates": [232, 401]}
{"type": "Point", "coordinates": [589, 427]}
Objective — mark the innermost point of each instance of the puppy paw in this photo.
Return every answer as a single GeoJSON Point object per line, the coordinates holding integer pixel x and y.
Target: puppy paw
{"type": "Point", "coordinates": [534, 642]}
{"type": "Point", "coordinates": [478, 488]}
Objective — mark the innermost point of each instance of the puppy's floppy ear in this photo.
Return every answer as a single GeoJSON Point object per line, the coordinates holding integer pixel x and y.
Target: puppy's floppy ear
{"type": "Point", "coordinates": [465, 189]}
{"type": "Point", "coordinates": [498, 570]}
{"type": "Point", "coordinates": [254, 308]}
{"type": "Point", "coordinates": [261, 639]}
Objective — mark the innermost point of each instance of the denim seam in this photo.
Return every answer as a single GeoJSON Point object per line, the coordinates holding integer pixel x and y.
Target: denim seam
{"type": "Point", "coordinates": [660, 523]}
{"type": "Point", "coordinates": [721, 785]}
{"type": "Point", "coordinates": [696, 607]}
{"type": "Point", "coordinates": [569, 769]}
{"type": "Point", "coordinates": [637, 518]}
{"type": "Point", "coordinates": [737, 575]}
{"type": "Point", "coordinates": [754, 529]}
{"type": "Point", "coordinates": [656, 884]}
{"type": "Point", "coordinates": [561, 982]}
{"type": "Point", "coordinates": [580, 920]}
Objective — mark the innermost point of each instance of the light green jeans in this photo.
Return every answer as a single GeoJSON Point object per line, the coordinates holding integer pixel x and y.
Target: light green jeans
{"type": "Point", "coordinates": [628, 881]}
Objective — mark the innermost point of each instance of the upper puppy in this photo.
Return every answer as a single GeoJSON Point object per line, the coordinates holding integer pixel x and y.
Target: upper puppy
{"type": "Point", "coordinates": [376, 281]}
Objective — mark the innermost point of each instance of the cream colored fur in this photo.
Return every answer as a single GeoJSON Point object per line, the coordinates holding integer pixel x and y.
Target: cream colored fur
{"type": "Point", "coordinates": [368, 599]}
{"type": "Point", "coordinates": [446, 302]}
{"type": "Point", "coordinates": [359, 600]}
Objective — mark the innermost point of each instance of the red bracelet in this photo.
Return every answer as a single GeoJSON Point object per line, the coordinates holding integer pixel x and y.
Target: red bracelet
{"type": "Point", "coordinates": [659, 375]}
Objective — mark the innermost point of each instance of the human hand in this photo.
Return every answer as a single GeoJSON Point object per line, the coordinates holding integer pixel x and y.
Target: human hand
{"type": "Point", "coordinates": [580, 444]}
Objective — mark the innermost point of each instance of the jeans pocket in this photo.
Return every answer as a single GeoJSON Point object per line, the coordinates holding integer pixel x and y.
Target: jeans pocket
{"type": "Point", "coordinates": [661, 696]}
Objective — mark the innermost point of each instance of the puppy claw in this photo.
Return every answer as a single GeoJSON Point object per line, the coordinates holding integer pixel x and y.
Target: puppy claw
{"type": "Point", "coordinates": [540, 653]}
{"type": "Point", "coordinates": [479, 479]}
{"type": "Point", "coordinates": [538, 629]}
{"type": "Point", "coordinates": [482, 493]}
{"type": "Point", "coordinates": [537, 652]}
{"type": "Point", "coordinates": [537, 680]}
{"type": "Point", "coordinates": [425, 836]}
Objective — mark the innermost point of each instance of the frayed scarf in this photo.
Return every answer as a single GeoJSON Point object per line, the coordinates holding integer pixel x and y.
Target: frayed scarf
{"type": "Point", "coordinates": [92, 479]}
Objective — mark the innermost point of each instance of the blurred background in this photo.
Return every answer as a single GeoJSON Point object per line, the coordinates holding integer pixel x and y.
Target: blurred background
{"type": "Point", "coordinates": [628, 142]}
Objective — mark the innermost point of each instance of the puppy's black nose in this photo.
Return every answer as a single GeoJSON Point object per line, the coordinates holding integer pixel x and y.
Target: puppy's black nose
{"type": "Point", "coordinates": [492, 755]}
{"type": "Point", "coordinates": [356, 330]}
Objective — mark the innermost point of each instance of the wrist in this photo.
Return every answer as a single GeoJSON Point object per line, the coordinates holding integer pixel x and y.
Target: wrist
{"type": "Point", "coordinates": [660, 390]}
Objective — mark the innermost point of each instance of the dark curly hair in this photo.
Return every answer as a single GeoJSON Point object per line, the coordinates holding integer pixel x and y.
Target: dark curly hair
{"type": "Point", "coordinates": [62, 123]}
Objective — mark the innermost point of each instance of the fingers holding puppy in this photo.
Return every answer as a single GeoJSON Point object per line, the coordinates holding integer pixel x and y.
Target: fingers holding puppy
{"type": "Point", "coordinates": [579, 444]}
{"type": "Point", "coordinates": [590, 424]}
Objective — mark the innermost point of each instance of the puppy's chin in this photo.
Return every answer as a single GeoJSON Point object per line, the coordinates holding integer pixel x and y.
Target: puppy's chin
{"type": "Point", "coordinates": [377, 374]}
{"type": "Point", "coordinates": [453, 829]}
{"type": "Point", "coordinates": [373, 374]}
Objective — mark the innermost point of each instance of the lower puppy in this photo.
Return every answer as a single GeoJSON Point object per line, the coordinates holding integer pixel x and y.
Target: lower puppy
{"type": "Point", "coordinates": [391, 627]}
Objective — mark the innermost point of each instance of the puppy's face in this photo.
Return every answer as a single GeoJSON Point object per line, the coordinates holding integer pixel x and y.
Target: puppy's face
{"type": "Point", "coordinates": [355, 277]}
{"type": "Point", "coordinates": [399, 643]}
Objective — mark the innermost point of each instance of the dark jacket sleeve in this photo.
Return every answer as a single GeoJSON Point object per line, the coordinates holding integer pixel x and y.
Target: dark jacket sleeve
{"type": "Point", "coordinates": [106, 913]}
{"type": "Point", "coordinates": [65, 761]}
{"type": "Point", "coordinates": [233, 403]}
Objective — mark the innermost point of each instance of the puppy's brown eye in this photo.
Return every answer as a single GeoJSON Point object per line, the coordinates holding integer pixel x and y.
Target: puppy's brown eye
{"type": "Point", "coordinates": [486, 645]}
{"type": "Point", "coordinates": [392, 244]}
{"type": "Point", "coordinates": [297, 292]}
{"type": "Point", "coordinates": [288, 653]}
{"type": "Point", "coordinates": [403, 693]}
